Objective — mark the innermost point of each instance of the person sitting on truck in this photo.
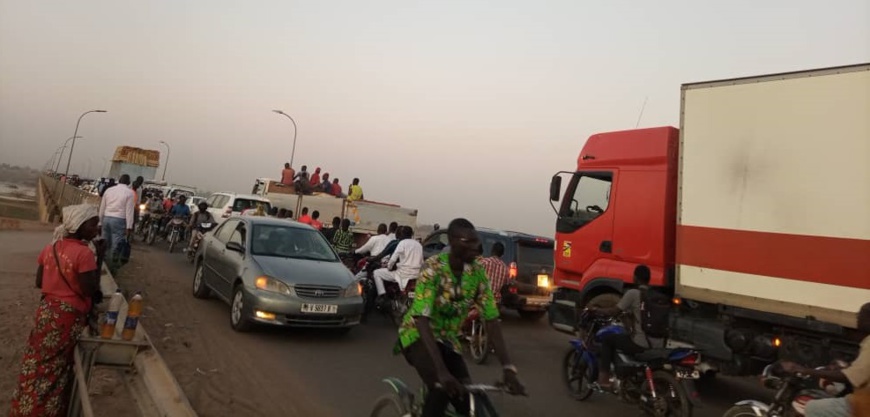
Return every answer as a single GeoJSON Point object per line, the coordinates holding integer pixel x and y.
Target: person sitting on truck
{"type": "Point", "coordinates": [376, 243]}
{"type": "Point", "coordinates": [625, 342]}
{"type": "Point", "coordinates": [282, 213]}
{"type": "Point", "coordinates": [326, 185]}
{"type": "Point", "coordinates": [343, 239]}
{"type": "Point", "coordinates": [314, 222]}
{"type": "Point", "coordinates": [336, 189]}
{"type": "Point", "coordinates": [301, 182]}
{"type": "Point", "coordinates": [407, 260]}
{"type": "Point", "coordinates": [355, 193]}
{"type": "Point", "coordinates": [496, 270]}
{"type": "Point", "coordinates": [391, 232]}
{"type": "Point", "coordinates": [315, 178]}
{"type": "Point", "coordinates": [287, 174]}
{"type": "Point", "coordinates": [857, 375]}
{"type": "Point", "coordinates": [304, 218]}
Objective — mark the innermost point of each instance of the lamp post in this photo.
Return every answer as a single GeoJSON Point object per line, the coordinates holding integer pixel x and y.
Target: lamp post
{"type": "Point", "coordinates": [71, 148]}
{"type": "Point", "coordinates": [293, 152]}
{"type": "Point", "coordinates": [61, 149]}
{"type": "Point", "coordinates": [166, 162]}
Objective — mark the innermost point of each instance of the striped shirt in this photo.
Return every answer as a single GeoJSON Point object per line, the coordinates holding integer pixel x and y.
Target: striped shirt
{"type": "Point", "coordinates": [497, 272]}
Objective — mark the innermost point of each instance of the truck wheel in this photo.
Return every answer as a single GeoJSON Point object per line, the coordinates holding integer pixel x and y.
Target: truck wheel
{"type": "Point", "coordinates": [532, 315]}
{"type": "Point", "coordinates": [603, 300]}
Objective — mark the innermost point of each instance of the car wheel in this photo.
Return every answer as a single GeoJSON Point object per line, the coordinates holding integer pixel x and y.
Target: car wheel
{"type": "Point", "coordinates": [239, 316]}
{"type": "Point", "coordinates": [532, 315]}
{"type": "Point", "coordinates": [200, 290]}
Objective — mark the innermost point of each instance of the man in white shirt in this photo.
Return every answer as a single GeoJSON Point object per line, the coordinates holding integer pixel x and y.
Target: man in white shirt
{"type": "Point", "coordinates": [116, 216]}
{"type": "Point", "coordinates": [376, 243]}
{"type": "Point", "coordinates": [407, 259]}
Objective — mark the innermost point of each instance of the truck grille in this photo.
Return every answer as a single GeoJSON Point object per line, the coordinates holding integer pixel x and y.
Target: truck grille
{"type": "Point", "coordinates": [316, 291]}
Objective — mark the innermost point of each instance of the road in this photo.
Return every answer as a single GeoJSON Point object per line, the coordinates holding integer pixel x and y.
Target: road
{"type": "Point", "coordinates": [283, 372]}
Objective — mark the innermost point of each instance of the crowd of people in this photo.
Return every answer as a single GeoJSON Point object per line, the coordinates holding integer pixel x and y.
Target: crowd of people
{"type": "Point", "coordinates": [304, 182]}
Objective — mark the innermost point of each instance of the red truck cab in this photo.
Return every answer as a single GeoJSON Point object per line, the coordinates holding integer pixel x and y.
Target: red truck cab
{"type": "Point", "coordinates": [632, 173]}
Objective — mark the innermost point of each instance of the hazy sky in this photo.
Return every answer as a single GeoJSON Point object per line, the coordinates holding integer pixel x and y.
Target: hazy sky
{"type": "Point", "coordinates": [455, 108]}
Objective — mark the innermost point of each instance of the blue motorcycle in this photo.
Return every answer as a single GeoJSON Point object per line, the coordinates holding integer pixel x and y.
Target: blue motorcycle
{"type": "Point", "coordinates": [659, 381]}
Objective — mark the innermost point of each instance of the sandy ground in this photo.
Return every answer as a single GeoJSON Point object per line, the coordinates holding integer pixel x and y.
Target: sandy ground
{"type": "Point", "coordinates": [18, 301]}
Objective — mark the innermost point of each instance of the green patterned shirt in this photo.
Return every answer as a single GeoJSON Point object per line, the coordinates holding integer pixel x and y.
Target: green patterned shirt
{"type": "Point", "coordinates": [343, 241]}
{"type": "Point", "coordinates": [438, 297]}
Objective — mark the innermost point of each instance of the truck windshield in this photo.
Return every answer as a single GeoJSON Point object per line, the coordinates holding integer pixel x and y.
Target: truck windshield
{"type": "Point", "coordinates": [590, 197]}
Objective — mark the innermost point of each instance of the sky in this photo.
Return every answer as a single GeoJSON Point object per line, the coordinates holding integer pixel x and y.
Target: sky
{"type": "Point", "coordinates": [456, 108]}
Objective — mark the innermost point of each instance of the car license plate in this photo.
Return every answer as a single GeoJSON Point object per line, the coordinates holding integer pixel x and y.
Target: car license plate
{"type": "Point", "coordinates": [544, 280]}
{"type": "Point", "coordinates": [689, 374]}
{"type": "Point", "coordinates": [320, 308]}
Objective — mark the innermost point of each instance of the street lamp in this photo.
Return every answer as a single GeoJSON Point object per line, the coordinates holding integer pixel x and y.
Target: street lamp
{"type": "Point", "coordinates": [166, 162]}
{"type": "Point", "coordinates": [293, 152]}
{"type": "Point", "coordinates": [71, 148]}
{"type": "Point", "coordinates": [61, 149]}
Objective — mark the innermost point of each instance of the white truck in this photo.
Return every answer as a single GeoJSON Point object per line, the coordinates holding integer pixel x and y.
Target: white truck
{"type": "Point", "coordinates": [755, 214]}
{"type": "Point", "coordinates": [365, 216]}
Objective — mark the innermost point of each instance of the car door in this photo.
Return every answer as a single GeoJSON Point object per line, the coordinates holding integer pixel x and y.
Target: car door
{"type": "Point", "coordinates": [230, 265]}
{"type": "Point", "coordinates": [216, 252]}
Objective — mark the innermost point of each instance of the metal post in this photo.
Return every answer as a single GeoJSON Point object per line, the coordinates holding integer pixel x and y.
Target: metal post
{"type": "Point", "coordinates": [71, 148]}
{"type": "Point", "coordinates": [166, 162]}
{"type": "Point", "coordinates": [292, 152]}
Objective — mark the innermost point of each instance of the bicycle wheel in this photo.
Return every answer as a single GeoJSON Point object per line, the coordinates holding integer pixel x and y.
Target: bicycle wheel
{"type": "Point", "coordinates": [479, 343]}
{"type": "Point", "coordinates": [389, 406]}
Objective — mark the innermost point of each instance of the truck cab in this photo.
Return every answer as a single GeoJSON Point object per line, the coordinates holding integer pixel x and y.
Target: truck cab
{"type": "Point", "coordinates": [618, 210]}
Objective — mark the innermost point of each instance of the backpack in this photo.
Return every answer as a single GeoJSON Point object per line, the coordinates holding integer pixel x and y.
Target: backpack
{"type": "Point", "coordinates": [655, 311]}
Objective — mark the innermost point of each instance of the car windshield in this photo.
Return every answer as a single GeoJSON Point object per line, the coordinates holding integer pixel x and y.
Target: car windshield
{"type": "Point", "coordinates": [291, 242]}
{"type": "Point", "coordinates": [535, 253]}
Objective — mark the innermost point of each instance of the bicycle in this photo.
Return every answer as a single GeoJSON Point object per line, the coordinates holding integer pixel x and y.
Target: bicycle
{"type": "Point", "coordinates": [403, 403]}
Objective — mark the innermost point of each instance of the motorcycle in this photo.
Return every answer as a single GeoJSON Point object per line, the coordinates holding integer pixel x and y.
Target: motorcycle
{"type": "Point", "coordinates": [396, 301]}
{"type": "Point", "coordinates": [660, 381]}
{"type": "Point", "coordinates": [201, 230]}
{"type": "Point", "coordinates": [792, 395]}
{"type": "Point", "coordinates": [175, 228]}
{"type": "Point", "coordinates": [152, 228]}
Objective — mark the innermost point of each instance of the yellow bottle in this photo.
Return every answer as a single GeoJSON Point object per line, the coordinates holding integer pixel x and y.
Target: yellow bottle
{"type": "Point", "coordinates": [133, 313]}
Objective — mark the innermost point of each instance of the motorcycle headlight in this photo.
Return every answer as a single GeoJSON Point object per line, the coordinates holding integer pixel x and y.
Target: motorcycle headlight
{"type": "Point", "coordinates": [141, 207]}
{"type": "Point", "coordinates": [273, 285]}
{"type": "Point", "coordinates": [353, 290]}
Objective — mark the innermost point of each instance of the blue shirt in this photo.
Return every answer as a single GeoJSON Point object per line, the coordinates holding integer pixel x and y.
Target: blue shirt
{"type": "Point", "coordinates": [180, 210]}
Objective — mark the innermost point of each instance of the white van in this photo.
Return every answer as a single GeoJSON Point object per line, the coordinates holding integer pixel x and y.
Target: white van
{"type": "Point", "coordinates": [224, 205]}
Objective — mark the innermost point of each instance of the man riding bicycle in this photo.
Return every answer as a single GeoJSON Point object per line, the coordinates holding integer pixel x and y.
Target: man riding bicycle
{"type": "Point", "coordinates": [450, 284]}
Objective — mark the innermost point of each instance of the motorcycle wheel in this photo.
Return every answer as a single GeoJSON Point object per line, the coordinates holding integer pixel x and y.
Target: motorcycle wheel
{"type": "Point", "coordinates": [398, 308]}
{"type": "Point", "coordinates": [671, 398]}
{"type": "Point", "coordinates": [149, 238]}
{"type": "Point", "coordinates": [172, 239]}
{"type": "Point", "coordinates": [740, 411]}
{"type": "Point", "coordinates": [479, 343]}
{"type": "Point", "coordinates": [577, 375]}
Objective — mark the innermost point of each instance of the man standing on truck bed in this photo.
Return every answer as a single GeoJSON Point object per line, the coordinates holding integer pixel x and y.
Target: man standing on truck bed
{"type": "Point", "coordinates": [857, 374]}
{"type": "Point", "coordinates": [355, 193]}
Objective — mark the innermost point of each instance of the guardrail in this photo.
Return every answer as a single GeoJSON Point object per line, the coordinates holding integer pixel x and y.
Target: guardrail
{"type": "Point", "coordinates": [52, 190]}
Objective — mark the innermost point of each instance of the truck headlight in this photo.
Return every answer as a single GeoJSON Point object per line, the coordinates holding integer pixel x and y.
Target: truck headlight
{"type": "Point", "coordinates": [273, 285]}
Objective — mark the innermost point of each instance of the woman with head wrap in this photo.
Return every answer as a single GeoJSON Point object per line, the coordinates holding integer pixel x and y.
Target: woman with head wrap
{"type": "Point", "coordinates": [69, 278]}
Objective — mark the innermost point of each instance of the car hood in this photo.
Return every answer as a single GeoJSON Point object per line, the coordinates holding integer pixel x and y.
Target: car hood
{"type": "Point", "coordinates": [305, 271]}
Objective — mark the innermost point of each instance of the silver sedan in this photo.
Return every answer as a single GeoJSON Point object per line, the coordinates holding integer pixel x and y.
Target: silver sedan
{"type": "Point", "coordinates": [276, 272]}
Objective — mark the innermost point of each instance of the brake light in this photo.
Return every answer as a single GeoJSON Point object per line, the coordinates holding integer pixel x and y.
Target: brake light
{"type": "Point", "coordinates": [690, 360]}
{"type": "Point", "coordinates": [513, 270]}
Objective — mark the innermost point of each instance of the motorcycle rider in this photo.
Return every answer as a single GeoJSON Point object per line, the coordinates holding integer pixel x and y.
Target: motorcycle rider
{"type": "Point", "coordinates": [429, 334]}
{"type": "Point", "coordinates": [180, 209]}
{"type": "Point", "coordinates": [857, 374]}
{"type": "Point", "coordinates": [407, 260]}
{"type": "Point", "coordinates": [198, 218]}
{"type": "Point", "coordinates": [152, 207]}
{"type": "Point", "coordinates": [625, 342]}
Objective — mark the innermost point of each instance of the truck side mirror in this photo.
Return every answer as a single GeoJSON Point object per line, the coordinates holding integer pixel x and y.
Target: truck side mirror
{"type": "Point", "coordinates": [555, 187]}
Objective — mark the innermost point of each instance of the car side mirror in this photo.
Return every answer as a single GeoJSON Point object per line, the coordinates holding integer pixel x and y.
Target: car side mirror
{"type": "Point", "coordinates": [235, 247]}
{"type": "Point", "coordinates": [555, 187]}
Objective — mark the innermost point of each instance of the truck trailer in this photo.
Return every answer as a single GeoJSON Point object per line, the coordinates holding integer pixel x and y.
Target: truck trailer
{"type": "Point", "coordinates": [134, 162]}
{"type": "Point", "coordinates": [754, 214]}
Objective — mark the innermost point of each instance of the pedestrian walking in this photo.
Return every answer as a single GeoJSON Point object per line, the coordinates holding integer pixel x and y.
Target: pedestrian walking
{"type": "Point", "coordinates": [116, 218]}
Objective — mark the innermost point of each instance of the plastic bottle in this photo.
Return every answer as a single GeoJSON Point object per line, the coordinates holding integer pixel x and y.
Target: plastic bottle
{"type": "Point", "coordinates": [133, 313]}
{"type": "Point", "coordinates": [108, 328]}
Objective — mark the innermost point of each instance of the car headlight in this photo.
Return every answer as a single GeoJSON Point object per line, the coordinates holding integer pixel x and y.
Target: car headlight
{"type": "Point", "coordinates": [353, 290]}
{"type": "Point", "coordinates": [272, 285]}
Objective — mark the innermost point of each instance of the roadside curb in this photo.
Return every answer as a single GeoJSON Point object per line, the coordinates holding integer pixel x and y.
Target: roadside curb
{"type": "Point", "coordinates": [160, 385]}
